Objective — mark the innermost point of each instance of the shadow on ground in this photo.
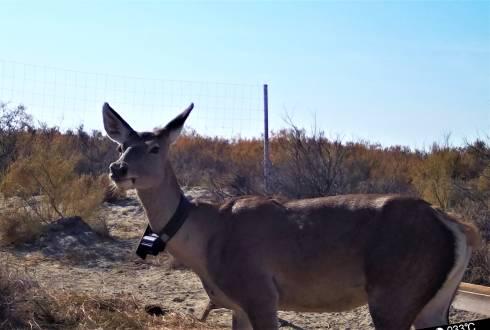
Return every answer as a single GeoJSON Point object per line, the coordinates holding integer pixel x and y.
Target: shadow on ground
{"type": "Point", "coordinates": [74, 242]}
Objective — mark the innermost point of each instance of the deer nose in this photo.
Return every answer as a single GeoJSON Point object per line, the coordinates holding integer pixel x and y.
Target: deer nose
{"type": "Point", "coordinates": [118, 169]}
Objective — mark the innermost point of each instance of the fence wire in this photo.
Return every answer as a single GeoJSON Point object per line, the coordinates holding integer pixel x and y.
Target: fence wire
{"type": "Point", "coordinates": [70, 98]}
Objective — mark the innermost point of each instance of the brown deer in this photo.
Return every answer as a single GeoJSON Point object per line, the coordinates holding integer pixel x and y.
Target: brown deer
{"type": "Point", "coordinates": [256, 255]}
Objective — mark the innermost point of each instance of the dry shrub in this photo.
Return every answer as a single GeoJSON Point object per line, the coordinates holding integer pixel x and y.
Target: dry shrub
{"type": "Point", "coordinates": [312, 165]}
{"type": "Point", "coordinates": [196, 158]}
{"type": "Point", "coordinates": [18, 226]}
{"type": "Point", "coordinates": [98, 224]}
{"type": "Point", "coordinates": [96, 150]}
{"type": "Point", "coordinates": [306, 165]}
{"type": "Point", "coordinates": [234, 166]}
{"type": "Point", "coordinates": [434, 177]}
{"type": "Point", "coordinates": [477, 211]}
{"type": "Point", "coordinates": [46, 168]}
{"type": "Point", "coordinates": [13, 120]}
{"type": "Point", "coordinates": [83, 197]}
{"type": "Point", "coordinates": [370, 168]}
{"type": "Point", "coordinates": [44, 178]}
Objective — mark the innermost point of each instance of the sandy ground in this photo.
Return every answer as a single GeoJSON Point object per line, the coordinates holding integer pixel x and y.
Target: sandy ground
{"type": "Point", "coordinates": [72, 257]}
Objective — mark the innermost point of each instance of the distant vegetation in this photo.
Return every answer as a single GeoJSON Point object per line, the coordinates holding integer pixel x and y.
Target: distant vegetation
{"type": "Point", "coordinates": [58, 174]}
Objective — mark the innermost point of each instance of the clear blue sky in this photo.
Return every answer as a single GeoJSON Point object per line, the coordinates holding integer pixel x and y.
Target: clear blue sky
{"type": "Point", "coordinates": [390, 72]}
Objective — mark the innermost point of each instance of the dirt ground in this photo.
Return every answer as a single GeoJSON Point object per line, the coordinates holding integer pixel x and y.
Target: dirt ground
{"type": "Point", "coordinates": [71, 257]}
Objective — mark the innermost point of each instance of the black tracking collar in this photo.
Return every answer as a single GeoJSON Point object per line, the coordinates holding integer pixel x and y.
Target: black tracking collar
{"type": "Point", "coordinates": [152, 243]}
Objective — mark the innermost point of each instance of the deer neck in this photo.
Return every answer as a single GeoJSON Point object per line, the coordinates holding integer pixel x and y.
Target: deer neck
{"type": "Point", "coordinates": [160, 204]}
{"type": "Point", "coordinates": [160, 201]}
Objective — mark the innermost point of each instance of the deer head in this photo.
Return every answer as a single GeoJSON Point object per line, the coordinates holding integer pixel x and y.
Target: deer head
{"type": "Point", "coordinates": [143, 156]}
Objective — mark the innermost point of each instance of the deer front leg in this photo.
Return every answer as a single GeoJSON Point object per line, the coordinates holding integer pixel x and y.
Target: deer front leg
{"type": "Point", "coordinates": [258, 298]}
{"type": "Point", "coordinates": [240, 321]}
{"type": "Point", "coordinates": [210, 306]}
{"type": "Point", "coordinates": [263, 317]}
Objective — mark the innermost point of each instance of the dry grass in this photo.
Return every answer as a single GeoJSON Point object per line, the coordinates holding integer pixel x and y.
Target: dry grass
{"type": "Point", "coordinates": [121, 311]}
{"type": "Point", "coordinates": [18, 226]}
{"type": "Point", "coordinates": [478, 271]}
{"type": "Point", "coordinates": [23, 305]}
{"type": "Point", "coordinates": [99, 225]}
{"type": "Point", "coordinates": [14, 287]}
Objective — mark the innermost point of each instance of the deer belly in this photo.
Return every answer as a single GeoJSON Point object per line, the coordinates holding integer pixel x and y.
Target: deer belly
{"type": "Point", "coordinates": [326, 294]}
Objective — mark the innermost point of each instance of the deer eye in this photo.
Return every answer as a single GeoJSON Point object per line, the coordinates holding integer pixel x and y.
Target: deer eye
{"type": "Point", "coordinates": [119, 149]}
{"type": "Point", "coordinates": [154, 149]}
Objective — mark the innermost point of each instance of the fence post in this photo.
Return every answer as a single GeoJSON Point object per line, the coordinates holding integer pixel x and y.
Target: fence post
{"type": "Point", "coordinates": [266, 141]}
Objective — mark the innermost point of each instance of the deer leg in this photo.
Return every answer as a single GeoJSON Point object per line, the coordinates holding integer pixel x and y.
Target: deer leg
{"type": "Point", "coordinates": [391, 310]}
{"type": "Point", "coordinates": [257, 297]}
{"type": "Point", "coordinates": [210, 306]}
{"type": "Point", "coordinates": [436, 312]}
{"type": "Point", "coordinates": [240, 321]}
{"type": "Point", "coordinates": [261, 304]}
{"type": "Point", "coordinates": [263, 317]}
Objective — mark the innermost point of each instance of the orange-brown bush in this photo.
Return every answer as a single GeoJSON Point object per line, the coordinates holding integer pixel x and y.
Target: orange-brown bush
{"type": "Point", "coordinates": [227, 166]}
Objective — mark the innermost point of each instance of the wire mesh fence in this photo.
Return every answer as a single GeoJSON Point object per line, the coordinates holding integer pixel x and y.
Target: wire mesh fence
{"type": "Point", "coordinates": [70, 98]}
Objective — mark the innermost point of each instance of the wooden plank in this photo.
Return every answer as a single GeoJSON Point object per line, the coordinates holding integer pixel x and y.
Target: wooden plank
{"type": "Point", "coordinates": [473, 298]}
{"type": "Point", "coordinates": [474, 288]}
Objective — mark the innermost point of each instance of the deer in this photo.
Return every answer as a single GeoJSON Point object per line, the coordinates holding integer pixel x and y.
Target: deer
{"type": "Point", "coordinates": [256, 255]}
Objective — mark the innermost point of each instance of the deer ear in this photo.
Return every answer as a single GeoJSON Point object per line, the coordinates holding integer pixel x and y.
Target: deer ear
{"type": "Point", "coordinates": [174, 127]}
{"type": "Point", "coordinates": [117, 128]}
